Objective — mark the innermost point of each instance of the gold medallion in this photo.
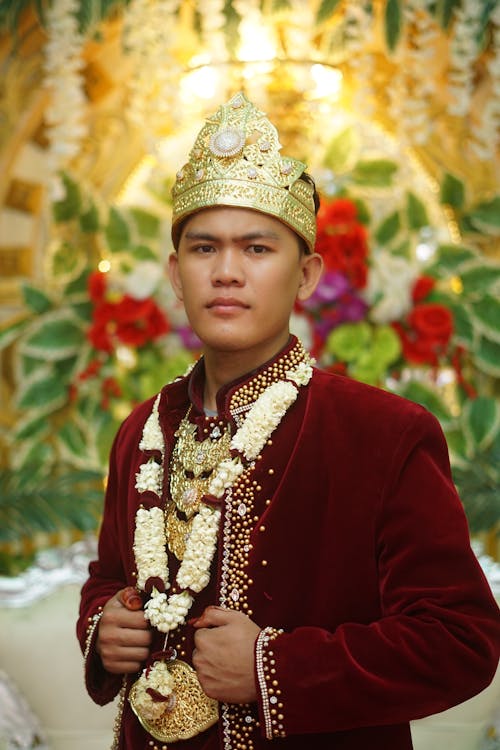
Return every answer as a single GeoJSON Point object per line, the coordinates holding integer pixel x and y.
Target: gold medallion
{"type": "Point", "coordinates": [193, 463]}
{"type": "Point", "coordinates": [188, 712]}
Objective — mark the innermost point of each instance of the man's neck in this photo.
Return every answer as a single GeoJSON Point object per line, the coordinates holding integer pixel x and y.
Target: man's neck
{"type": "Point", "coordinates": [224, 367]}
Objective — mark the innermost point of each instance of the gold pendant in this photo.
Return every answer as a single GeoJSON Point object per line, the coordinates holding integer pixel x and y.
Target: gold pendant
{"type": "Point", "coordinates": [177, 532]}
{"type": "Point", "coordinates": [188, 711]}
{"type": "Point", "coordinates": [193, 463]}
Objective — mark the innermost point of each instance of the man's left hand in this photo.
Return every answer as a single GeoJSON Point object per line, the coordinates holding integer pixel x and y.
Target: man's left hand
{"type": "Point", "coordinates": [224, 655]}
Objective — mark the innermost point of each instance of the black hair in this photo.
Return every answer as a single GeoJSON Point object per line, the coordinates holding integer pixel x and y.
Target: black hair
{"type": "Point", "coordinates": [306, 177]}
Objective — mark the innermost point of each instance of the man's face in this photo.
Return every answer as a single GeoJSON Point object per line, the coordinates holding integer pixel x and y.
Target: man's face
{"type": "Point", "coordinates": [238, 273]}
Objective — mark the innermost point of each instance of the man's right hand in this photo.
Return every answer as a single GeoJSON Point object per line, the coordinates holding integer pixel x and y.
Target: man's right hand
{"type": "Point", "coordinates": [124, 635]}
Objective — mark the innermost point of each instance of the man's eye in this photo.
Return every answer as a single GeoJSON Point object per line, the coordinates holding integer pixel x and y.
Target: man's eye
{"type": "Point", "coordinates": [204, 249]}
{"type": "Point", "coordinates": [258, 249]}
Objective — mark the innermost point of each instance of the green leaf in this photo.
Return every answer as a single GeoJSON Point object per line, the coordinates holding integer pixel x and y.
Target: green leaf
{"type": "Point", "coordinates": [148, 225]}
{"type": "Point", "coordinates": [65, 368]}
{"type": "Point", "coordinates": [35, 299]}
{"type": "Point", "coordinates": [428, 398]}
{"type": "Point", "coordinates": [374, 172]}
{"type": "Point", "coordinates": [449, 258]}
{"type": "Point", "coordinates": [486, 312]}
{"type": "Point", "coordinates": [479, 277]}
{"type": "Point", "coordinates": [54, 339]}
{"type": "Point", "coordinates": [487, 357]}
{"type": "Point", "coordinates": [83, 310]}
{"type": "Point", "coordinates": [342, 151]}
{"type": "Point", "coordinates": [47, 393]}
{"type": "Point", "coordinates": [463, 329]}
{"type": "Point", "coordinates": [325, 10]}
{"type": "Point", "coordinates": [485, 217]}
{"type": "Point", "coordinates": [30, 364]}
{"type": "Point", "coordinates": [481, 421]}
{"type": "Point", "coordinates": [143, 252]}
{"type": "Point", "coordinates": [78, 285]}
{"type": "Point", "coordinates": [31, 428]}
{"type": "Point", "coordinates": [388, 229]}
{"type": "Point", "coordinates": [89, 221]}
{"type": "Point", "coordinates": [69, 207]}
{"type": "Point", "coordinates": [452, 191]}
{"type": "Point", "coordinates": [416, 211]}
{"type": "Point", "coordinates": [117, 232]}
{"type": "Point", "coordinates": [457, 447]}
{"type": "Point", "coordinates": [11, 332]}
{"type": "Point", "coordinates": [444, 11]}
{"type": "Point", "coordinates": [73, 439]}
{"type": "Point", "coordinates": [393, 23]}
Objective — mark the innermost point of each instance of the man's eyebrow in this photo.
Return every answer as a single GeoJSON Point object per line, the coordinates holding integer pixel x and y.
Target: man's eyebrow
{"type": "Point", "coordinates": [255, 235]}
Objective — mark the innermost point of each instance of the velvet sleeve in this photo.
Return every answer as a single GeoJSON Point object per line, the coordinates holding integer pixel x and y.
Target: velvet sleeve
{"type": "Point", "coordinates": [436, 641]}
{"type": "Point", "coordinates": [106, 577]}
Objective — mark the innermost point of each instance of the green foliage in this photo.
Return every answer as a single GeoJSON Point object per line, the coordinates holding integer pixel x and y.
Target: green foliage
{"type": "Point", "coordinates": [393, 23]}
{"type": "Point", "coordinates": [428, 397]}
{"type": "Point", "coordinates": [374, 172]}
{"type": "Point", "coordinates": [117, 232]}
{"type": "Point", "coordinates": [416, 212]}
{"type": "Point", "coordinates": [388, 229]}
{"type": "Point", "coordinates": [452, 191]}
{"type": "Point", "coordinates": [68, 207]}
{"type": "Point", "coordinates": [325, 10]}
{"type": "Point", "coordinates": [32, 502]}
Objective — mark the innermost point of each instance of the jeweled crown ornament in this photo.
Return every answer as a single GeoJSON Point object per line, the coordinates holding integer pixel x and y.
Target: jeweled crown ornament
{"type": "Point", "coordinates": [236, 161]}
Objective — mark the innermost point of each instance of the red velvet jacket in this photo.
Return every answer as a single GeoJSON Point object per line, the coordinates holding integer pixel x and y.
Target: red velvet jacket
{"type": "Point", "coordinates": [360, 554]}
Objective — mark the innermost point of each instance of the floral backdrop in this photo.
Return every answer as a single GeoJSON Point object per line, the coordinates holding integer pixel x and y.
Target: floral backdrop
{"type": "Point", "coordinates": [408, 301]}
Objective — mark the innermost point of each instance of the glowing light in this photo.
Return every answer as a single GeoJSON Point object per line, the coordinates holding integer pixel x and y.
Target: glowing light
{"type": "Point", "coordinates": [104, 266]}
{"type": "Point", "coordinates": [126, 356]}
{"type": "Point", "coordinates": [424, 251]}
{"type": "Point", "coordinates": [201, 83]}
{"type": "Point", "coordinates": [250, 50]}
{"type": "Point", "coordinates": [327, 81]}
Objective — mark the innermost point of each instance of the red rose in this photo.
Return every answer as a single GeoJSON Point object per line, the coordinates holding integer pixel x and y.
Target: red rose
{"type": "Point", "coordinates": [342, 241]}
{"type": "Point", "coordinates": [422, 287]}
{"type": "Point", "coordinates": [97, 286]}
{"type": "Point", "coordinates": [427, 334]}
{"type": "Point", "coordinates": [432, 321]}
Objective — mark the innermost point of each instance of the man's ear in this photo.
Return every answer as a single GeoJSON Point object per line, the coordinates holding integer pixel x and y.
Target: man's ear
{"type": "Point", "coordinates": [173, 274]}
{"type": "Point", "coordinates": [312, 268]}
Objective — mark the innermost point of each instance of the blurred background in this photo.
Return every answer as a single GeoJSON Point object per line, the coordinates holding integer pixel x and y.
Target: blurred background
{"type": "Point", "coordinates": [395, 107]}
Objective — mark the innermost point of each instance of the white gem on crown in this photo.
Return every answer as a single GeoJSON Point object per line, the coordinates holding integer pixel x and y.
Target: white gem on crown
{"type": "Point", "coordinates": [227, 142]}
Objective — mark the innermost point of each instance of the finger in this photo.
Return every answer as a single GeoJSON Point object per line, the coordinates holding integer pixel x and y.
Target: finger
{"type": "Point", "coordinates": [130, 598]}
{"type": "Point", "coordinates": [214, 617]}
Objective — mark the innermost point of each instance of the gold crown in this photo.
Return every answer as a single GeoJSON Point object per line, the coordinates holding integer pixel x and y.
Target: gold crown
{"type": "Point", "coordinates": [236, 161]}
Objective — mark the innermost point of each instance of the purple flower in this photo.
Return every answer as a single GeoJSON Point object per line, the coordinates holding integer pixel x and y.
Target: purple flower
{"type": "Point", "coordinates": [332, 285]}
{"type": "Point", "coordinates": [188, 337]}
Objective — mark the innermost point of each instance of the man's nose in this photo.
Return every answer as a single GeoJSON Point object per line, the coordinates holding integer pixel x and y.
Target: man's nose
{"type": "Point", "coordinates": [228, 267]}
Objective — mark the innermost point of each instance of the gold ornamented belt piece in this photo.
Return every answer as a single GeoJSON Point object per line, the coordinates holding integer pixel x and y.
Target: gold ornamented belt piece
{"type": "Point", "coordinates": [189, 712]}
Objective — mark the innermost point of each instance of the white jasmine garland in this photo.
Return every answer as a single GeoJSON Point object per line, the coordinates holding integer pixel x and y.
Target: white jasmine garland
{"type": "Point", "coordinates": [149, 546]}
{"type": "Point", "coordinates": [167, 612]}
{"type": "Point", "coordinates": [157, 678]}
{"type": "Point", "coordinates": [152, 436]}
{"type": "Point", "coordinates": [149, 477]}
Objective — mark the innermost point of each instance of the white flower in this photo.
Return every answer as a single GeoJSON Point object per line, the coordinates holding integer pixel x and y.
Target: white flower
{"type": "Point", "coordinates": [63, 67]}
{"type": "Point", "coordinates": [227, 473]}
{"type": "Point", "coordinates": [143, 280]}
{"type": "Point", "coordinates": [149, 477]}
{"type": "Point", "coordinates": [149, 546]}
{"type": "Point", "coordinates": [390, 284]}
{"type": "Point", "coordinates": [301, 375]}
{"type": "Point", "coordinates": [264, 416]}
{"type": "Point", "coordinates": [152, 436]}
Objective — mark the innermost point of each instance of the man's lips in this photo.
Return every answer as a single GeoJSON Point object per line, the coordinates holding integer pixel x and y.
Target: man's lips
{"type": "Point", "coordinates": [227, 303]}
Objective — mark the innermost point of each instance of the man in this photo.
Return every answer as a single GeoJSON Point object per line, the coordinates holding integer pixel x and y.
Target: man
{"type": "Point", "coordinates": [283, 555]}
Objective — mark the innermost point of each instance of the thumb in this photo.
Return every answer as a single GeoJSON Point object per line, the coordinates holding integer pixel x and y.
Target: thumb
{"type": "Point", "coordinates": [213, 617]}
{"type": "Point", "coordinates": [130, 598]}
